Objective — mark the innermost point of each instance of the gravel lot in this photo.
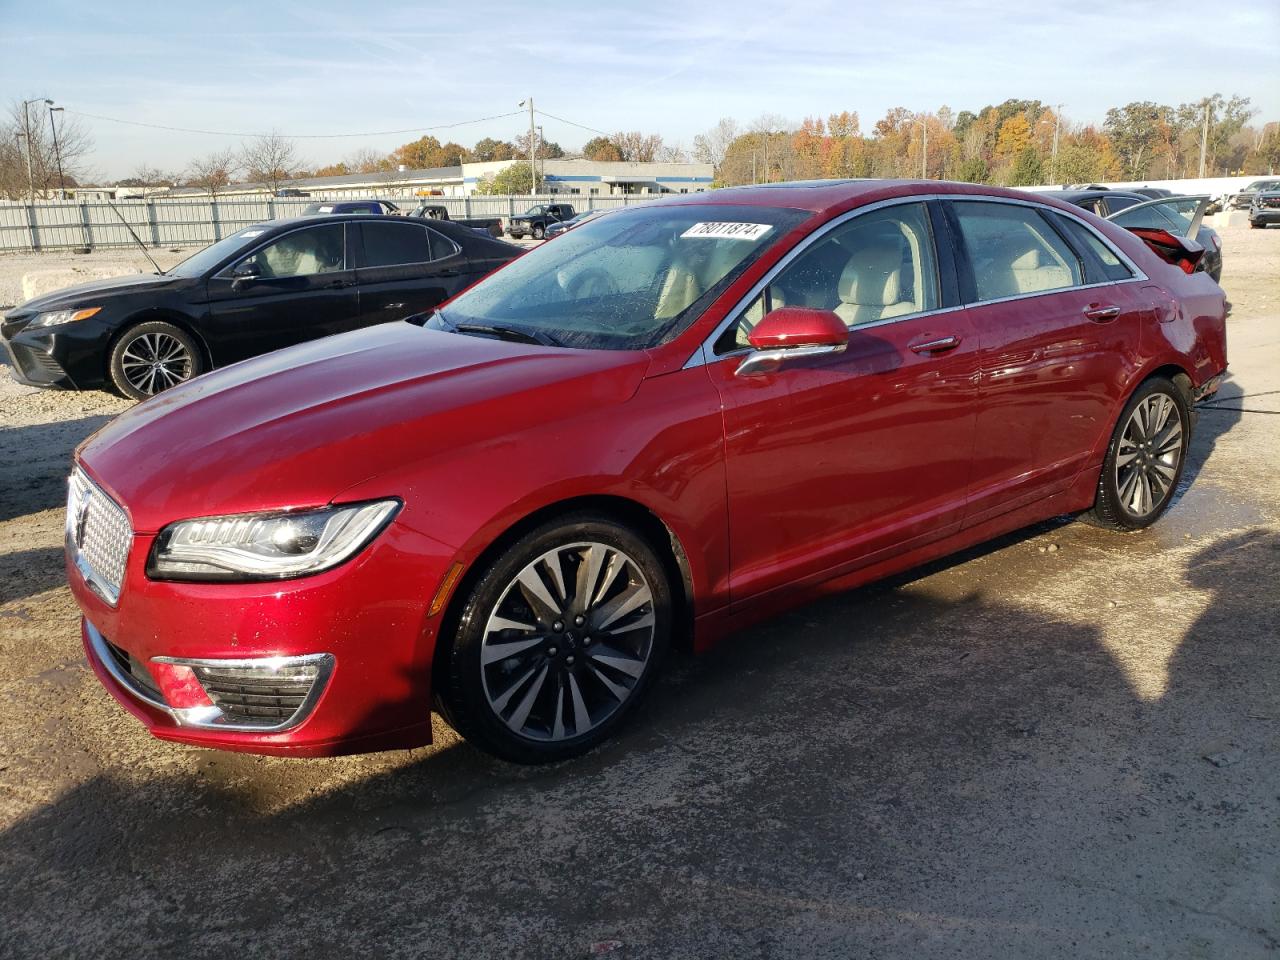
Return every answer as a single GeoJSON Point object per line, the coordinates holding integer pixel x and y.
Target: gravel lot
{"type": "Point", "coordinates": [1063, 744]}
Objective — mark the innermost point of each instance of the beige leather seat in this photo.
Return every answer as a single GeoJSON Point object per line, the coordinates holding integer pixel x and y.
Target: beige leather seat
{"type": "Point", "coordinates": [871, 286]}
{"type": "Point", "coordinates": [1033, 272]}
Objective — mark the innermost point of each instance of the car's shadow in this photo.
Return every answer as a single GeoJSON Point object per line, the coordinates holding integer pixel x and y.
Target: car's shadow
{"type": "Point", "coordinates": [34, 461]}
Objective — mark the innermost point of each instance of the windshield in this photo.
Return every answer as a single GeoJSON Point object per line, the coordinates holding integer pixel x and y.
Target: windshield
{"type": "Point", "coordinates": [1262, 185]}
{"type": "Point", "coordinates": [627, 281]}
{"type": "Point", "coordinates": [200, 263]}
{"type": "Point", "coordinates": [1176, 214]}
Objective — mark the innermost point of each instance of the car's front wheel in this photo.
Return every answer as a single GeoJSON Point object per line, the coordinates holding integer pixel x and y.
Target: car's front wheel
{"type": "Point", "coordinates": [558, 640]}
{"type": "Point", "coordinates": [539, 231]}
{"type": "Point", "coordinates": [1145, 459]}
{"type": "Point", "coordinates": [151, 357]}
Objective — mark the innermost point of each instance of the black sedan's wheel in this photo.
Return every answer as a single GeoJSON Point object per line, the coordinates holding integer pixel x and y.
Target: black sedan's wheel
{"type": "Point", "coordinates": [152, 357]}
{"type": "Point", "coordinates": [1145, 460]}
{"type": "Point", "coordinates": [558, 641]}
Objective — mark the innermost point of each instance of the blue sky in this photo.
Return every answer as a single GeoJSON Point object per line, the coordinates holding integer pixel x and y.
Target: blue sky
{"type": "Point", "coordinates": [669, 67]}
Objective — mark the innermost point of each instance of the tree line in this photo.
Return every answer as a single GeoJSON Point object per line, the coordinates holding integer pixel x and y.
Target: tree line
{"type": "Point", "coordinates": [1015, 143]}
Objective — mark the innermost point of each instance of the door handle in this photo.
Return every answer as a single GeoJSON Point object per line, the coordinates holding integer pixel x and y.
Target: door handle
{"type": "Point", "coordinates": [394, 306]}
{"type": "Point", "coordinates": [339, 284]}
{"type": "Point", "coordinates": [1101, 314]}
{"type": "Point", "coordinates": [936, 345]}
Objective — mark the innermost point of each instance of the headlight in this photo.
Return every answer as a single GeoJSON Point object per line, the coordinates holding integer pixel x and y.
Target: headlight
{"type": "Point", "coordinates": [55, 317]}
{"type": "Point", "coordinates": [266, 546]}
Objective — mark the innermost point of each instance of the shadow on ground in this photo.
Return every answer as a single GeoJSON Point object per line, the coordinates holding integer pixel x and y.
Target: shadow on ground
{"type": "Point", "coordinates": [34, 462]}
{"type": "Point", "coordinates": [883, 769]}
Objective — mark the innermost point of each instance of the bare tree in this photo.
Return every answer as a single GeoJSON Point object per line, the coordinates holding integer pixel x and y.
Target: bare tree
{"type": "Point", "coordinates": [673, 153]}
{"type": "Point", "coordinates": [637, 146]}
{"type": "Point", "coordinates": [711, 147]}
{"type": "Point", "coordinates": [269, 160]}
{"type": "Point", "coordinates": [35, 131]}
{"type": "Point", "coordinates": [212, 172]}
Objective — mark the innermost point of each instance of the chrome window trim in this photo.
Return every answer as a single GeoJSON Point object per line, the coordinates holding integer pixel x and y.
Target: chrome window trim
{"type": "Point", "coordinates": [704, 354]}
{"type": "Point", "coordinates": [212, 717]}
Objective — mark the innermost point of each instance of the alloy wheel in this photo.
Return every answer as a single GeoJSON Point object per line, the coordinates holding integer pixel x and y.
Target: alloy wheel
{"type": "Point", "coordinates": [1148, 455]}
{"type": "Point", "coordinates": [155, 361]}
{"type": "Point", "coordinates": [568, 642]}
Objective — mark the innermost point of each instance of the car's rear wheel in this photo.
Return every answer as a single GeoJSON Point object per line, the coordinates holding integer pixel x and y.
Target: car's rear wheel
{"type": "Point", "coordinates": [1145, 459]}
{"type": "Point", "coordinates": [558, 640]}
{"type": "Point", "coordinates": [151, 357]}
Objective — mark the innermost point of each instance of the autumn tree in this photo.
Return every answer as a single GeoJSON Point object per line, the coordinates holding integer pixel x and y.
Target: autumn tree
{"type": "Point", "coordinates": [601, 149]}
{"type": "Point", "coordinates": [490, 149]}
{"type": "Point", "coordinates": [1135, 132]}
{"type": "Point", "coordinates": [636, 146]}
{"type": "Point", "coordinates": [515, 179]}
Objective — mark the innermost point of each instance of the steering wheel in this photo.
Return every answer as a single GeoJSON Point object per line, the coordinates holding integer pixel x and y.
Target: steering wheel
{"type": "Point", "coordinates": [593, 282]}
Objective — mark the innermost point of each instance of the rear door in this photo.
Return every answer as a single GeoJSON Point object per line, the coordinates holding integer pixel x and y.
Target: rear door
{"type": "Point", "coordinates": [405, 267]}
{"type": "Point", "coordinates": [304, 288]}
{"type": "Point", "coordinates": [1058, 339]}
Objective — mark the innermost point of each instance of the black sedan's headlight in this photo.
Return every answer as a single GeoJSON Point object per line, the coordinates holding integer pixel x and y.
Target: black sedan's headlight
{"type": "Point", "coordinates": [266, 546]}
{"type": "Point", "coordinates": [53, 318]}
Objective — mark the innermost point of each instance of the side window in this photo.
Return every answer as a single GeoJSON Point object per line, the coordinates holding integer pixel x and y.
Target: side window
{"type": "Point", "coordinates": [394, 244]}
{"type": "Point", "coordinates": [1116, 204]}
{"type": "Point", "coordinates": [1014, 251]}
{"type": "Point", "coordinates": [878, 266]}
{"type": "Point", "coordinates": [1112, 266]}
{"type": "Point", "coordinates": [441, 246]}
{"type": "Point", "coordinates": [302, 253]}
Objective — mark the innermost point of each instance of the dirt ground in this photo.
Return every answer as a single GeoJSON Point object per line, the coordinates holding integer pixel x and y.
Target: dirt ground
{"type": "Point", "coordinates": [1062, 744]}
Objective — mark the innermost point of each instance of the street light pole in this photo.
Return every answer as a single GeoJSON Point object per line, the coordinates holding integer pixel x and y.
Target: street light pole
{"type": "Point", "coordinates": [533, 172]}
{"type": "Point", "coordinates": [57, 153]}
{"type": "Point", "coordinates": [1053, 156]}
{"type": "Point", "coordinates": [1204, 136]}
{"type": "Point", "coordinates": [924, 152]}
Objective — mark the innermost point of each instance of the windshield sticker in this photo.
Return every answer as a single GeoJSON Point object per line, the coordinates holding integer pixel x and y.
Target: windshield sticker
{"type": "Point", "coordinates": [727, 231]}
{"type": "Point", "coordinates": [251, 233]}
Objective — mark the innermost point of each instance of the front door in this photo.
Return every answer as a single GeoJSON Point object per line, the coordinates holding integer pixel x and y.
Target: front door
{"type": "Point", "coordinates": [297, 287]}
{"type": "Point", "coordinates": [840, 461]}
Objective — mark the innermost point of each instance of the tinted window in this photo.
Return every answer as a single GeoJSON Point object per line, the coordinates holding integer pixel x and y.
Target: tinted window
{"type": "Point", "coordinates": [302, 253]}
{"type": "Point", "coordinates": [1014, 251]}
{"type": "Point", "coordinates": [393, 244]}
{"type": "Point", "coordinates": [1116, 204]}
{"type": "Point", "coordinates": [1085, 239]}
{"type": "Point", "coordinates": [1175, 214]}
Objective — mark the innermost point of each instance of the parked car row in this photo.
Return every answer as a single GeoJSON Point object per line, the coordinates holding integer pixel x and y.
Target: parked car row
{"type": "Point", "coordinates": [1165, 210]}
{"type": "Point", "coordinates": [672, 421]}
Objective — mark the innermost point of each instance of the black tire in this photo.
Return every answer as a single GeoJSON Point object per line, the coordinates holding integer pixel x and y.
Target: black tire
{"type": "Point", "coordinates": [1120, 505]}
{"type": "Point", "coordinates": [539, 231]}
{"type": "Point", "coordinates": [547, 660]}
{"type": "Point", "coordinates": [177, 353]}
{"type": "Point", "coordinates": [1255, 226]}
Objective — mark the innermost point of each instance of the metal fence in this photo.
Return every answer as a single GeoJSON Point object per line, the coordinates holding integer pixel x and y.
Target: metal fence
{"type": "Point", "coordinates": [74, 225]}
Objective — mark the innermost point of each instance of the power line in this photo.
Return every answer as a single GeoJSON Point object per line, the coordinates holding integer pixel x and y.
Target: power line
{"type": "Point", "coordinates": [583, 126]}
{"type": "Point", "coordinates": [301, 136]}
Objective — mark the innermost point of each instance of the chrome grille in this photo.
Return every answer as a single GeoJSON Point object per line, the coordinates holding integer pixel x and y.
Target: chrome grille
{"type": "Point", "coordinates": [98, 535]}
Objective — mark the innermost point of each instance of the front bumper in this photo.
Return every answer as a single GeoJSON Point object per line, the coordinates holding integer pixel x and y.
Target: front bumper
{"type": "Point", "coordinates": [72, 355]}
{"type": "Point", "coordinates": [1264, 214]}
{"type": "Point", "coordinates": [364, 624]}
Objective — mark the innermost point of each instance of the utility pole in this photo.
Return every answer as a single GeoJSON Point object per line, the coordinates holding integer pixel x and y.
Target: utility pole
{"type": "Point", "coordinates": [542, 158]}
{"type": "Point", "coordinates": [1204, 135]}
{"type": "Point", "coordinates": [57, 153]}
{"type": "Point", "coordinates": [924, 158]}
{"type": "Point", "coordinates": [533, 171]}
{"type": "Point", "coordinates": [31, 177]}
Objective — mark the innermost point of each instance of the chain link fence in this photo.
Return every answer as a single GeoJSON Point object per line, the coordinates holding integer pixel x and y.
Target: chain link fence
{"type": "Point", "coordinates": [95, 225]}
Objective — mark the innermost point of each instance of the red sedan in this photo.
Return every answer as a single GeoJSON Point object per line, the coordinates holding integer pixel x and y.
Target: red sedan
{"type": "Point", "coordinates": [672, 421]}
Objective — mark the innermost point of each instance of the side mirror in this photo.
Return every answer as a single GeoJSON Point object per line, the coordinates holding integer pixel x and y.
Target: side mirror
{"type": "Point", "coordinates": [790, 333]}
{"type": "Point", "coordinates": [243, 273]}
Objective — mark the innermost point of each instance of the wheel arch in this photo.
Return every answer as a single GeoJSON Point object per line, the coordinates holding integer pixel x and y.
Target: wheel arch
{"type": "Point", "coordinates": [634, 514]}
{"type": "Point", "coordinates": [157, 315]}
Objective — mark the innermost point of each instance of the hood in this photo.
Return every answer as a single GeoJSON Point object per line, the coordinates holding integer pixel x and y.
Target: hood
{"type": "Point", "coordinates": [297, 427]}
{"type": "Point", "coordinates": [69, 297]}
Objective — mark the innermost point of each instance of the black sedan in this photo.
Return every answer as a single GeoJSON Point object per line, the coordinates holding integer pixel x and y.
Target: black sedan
{"type": "Point", "coordinates": [263, 288]}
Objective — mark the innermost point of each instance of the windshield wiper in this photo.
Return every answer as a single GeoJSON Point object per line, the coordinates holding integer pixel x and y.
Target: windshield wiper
{"type": "Point", "coordinates": [514, 334]}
